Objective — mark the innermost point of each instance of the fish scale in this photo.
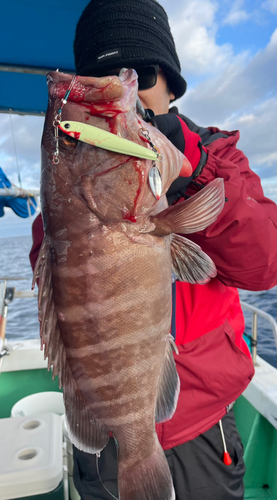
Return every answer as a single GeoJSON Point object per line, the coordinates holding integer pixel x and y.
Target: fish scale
{"type": "Point", "coordinates": [104, 273]}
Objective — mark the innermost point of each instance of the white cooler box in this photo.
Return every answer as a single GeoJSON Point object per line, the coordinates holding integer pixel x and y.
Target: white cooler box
{"type": "Point", "coordinates": [31, 456]}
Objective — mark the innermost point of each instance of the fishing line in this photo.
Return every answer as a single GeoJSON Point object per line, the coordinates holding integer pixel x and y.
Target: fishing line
{"type": "Point", "coordinates": [98, 473]}
{"type": "Point", "coordinates": [58, 119]}
{"type": "Point", "coordinates": [15, 152]}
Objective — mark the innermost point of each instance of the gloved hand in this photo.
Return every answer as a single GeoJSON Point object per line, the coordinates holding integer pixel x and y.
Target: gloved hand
{"type": "Point", "coordinates": [170, 126]}
{"type": "Point", "coordinates": [188, 142]}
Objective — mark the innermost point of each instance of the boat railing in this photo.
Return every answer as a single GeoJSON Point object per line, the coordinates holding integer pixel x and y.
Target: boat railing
{"type": "Point", "coordinates": [254, 332]}
{"type": "Point", "coordinates": [16, 192]}
{"type": "Point", "coordinates": [7, 294]}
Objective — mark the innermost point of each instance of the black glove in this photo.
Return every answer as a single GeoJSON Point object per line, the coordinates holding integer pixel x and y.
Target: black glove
{"type": "Point", "coordinates": [171, 127]}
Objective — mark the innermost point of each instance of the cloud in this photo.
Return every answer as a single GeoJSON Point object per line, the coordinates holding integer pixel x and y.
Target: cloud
{"type": "Point", "coordinates": [258, 138]}
{"type": "Point", "coordinates": [195, 38]}
{"type": "Point", "coordinates": [231, 93]}
{"type": "Point", "coordinates": [239, 93]}
{"type": "Point", "coordinates": [270, 5]}
{"type": "Point", "coordinates": [236, 15]}
{"type": "Point", "coordinates": [23, 151]}
{"type": "Point", "coordinates": [270, 188]}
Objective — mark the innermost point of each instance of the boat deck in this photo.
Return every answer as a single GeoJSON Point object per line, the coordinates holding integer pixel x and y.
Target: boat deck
{"type": "Point", "coordinates": [20, 378]}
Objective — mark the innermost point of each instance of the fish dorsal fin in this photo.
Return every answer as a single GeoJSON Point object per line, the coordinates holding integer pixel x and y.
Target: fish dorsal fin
{"type": "Point", "coordinates": [194, 214]}
{"type": "Point", "coordinates": [189, 262]}
{"type": "Point", "coordinates": [84, 430]}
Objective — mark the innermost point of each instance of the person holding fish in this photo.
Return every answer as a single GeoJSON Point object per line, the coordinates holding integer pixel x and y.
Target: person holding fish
{"type": "Point", "coordinates": [109, 162]}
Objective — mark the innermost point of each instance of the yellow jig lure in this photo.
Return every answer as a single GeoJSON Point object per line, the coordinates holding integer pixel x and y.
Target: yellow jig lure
{"type": "Point", "coordinates": [106, 140]}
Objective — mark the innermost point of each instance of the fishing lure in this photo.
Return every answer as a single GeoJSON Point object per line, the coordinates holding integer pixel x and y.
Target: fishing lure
{"type": "Point", "coordinates": [106, 140]}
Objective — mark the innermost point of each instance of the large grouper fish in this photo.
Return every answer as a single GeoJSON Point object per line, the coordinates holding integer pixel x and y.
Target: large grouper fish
{"type": "Point", "coordinates": [105, 273]}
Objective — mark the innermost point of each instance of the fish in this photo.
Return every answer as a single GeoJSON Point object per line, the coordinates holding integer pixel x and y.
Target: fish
{"type": "Point", "coordinates": [105, 272]}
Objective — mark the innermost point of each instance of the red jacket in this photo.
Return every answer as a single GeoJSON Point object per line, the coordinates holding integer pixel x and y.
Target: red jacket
{"type": "Point", "coordinates": [214, 363]}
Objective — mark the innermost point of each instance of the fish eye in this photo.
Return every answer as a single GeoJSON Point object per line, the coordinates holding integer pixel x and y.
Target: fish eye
{"type": "Point", "coordinates": [67, 141]}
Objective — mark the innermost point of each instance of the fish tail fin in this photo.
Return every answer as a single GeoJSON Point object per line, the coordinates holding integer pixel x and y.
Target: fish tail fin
{"type": "Point", "coordinates": [149, 479]}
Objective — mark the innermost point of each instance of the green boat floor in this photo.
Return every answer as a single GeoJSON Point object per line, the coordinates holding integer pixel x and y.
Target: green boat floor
{"type": "Point", "coordinates": [258, 494]}
{"type": "Point", "coordinates": [17, 385]}
{"type": "Point", "coordinates": [259, 437]}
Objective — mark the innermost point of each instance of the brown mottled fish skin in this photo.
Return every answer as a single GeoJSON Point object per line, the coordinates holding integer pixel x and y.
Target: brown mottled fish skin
{"type": "Point", "coordinates": [105, 283]}
{"type": "Point", "coordinates": [108, 282]}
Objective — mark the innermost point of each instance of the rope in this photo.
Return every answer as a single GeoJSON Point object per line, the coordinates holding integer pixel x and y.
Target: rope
{"type": "Point", "coordinates": [15, 152]}
{"type": "Point", "coordinates": [29, 210]}
{"type": "Point", "coordinates": [253, 342]}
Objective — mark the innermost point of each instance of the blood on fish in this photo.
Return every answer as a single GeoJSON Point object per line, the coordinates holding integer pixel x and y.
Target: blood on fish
{"type": "Point", "coordinates": [141, 174]}
{"type": "Point", "coordinates": [77, 94]}
{"type": "Point", "coordinates": [112, 168]}
{"type": "Point", "coordinates": [75, 135]}
{"type": "Point", "coordinates": [106, 111]}
{"type": "Point", "coordinates": [127, 216]}
{"type": "Point", "coordinates": [112, 125]}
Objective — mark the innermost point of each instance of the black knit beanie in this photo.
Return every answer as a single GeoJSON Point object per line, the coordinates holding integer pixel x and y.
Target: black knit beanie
{"type": "Point", "coordinates": [113, 34]}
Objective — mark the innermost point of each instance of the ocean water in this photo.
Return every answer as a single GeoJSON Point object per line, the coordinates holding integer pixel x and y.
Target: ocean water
{"type": "Point", "coordinates": [23, 316]}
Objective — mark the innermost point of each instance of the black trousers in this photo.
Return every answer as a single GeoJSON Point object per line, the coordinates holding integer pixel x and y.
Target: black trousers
{"type": "Point", "coordinates": [196, 466]}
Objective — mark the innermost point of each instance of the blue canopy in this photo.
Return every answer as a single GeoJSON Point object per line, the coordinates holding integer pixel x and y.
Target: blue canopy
{"type": "Point", "coordinates": [35, 35]}
{"type": "Point", "coordinates": [18, 205]}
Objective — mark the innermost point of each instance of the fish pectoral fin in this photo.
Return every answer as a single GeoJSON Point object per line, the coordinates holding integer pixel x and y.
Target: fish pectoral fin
{"type": "Point", "coordinates": [194, 214]}
{"type": "Point", "coordinates": [169, 385]}
{"type": "Point", "coordinates": [189, 262]}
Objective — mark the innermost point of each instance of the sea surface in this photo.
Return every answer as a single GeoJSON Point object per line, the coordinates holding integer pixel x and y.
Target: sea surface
{"type": "Point", "coordinates": [23, 316]}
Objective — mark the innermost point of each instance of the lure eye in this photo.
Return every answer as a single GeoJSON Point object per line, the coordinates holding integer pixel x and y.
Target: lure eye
{"type": "Point", "coordinates": [67, 141]}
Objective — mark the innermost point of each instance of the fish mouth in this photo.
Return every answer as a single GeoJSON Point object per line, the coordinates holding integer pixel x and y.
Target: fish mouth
{"type": "Point", "coordinates": [87, 90]}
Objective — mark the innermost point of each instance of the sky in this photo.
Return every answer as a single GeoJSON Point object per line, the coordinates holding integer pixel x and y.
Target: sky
{"type": "Point", "coordinates": [227, 51]}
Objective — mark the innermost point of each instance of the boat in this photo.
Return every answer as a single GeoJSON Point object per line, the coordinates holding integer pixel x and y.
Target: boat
{"type": "Point", "coordinates": [28, 395]}
{"type": "Point", "coordinates": [36, 454]}
{"type": "Point", "coordinates": [23, 202]}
